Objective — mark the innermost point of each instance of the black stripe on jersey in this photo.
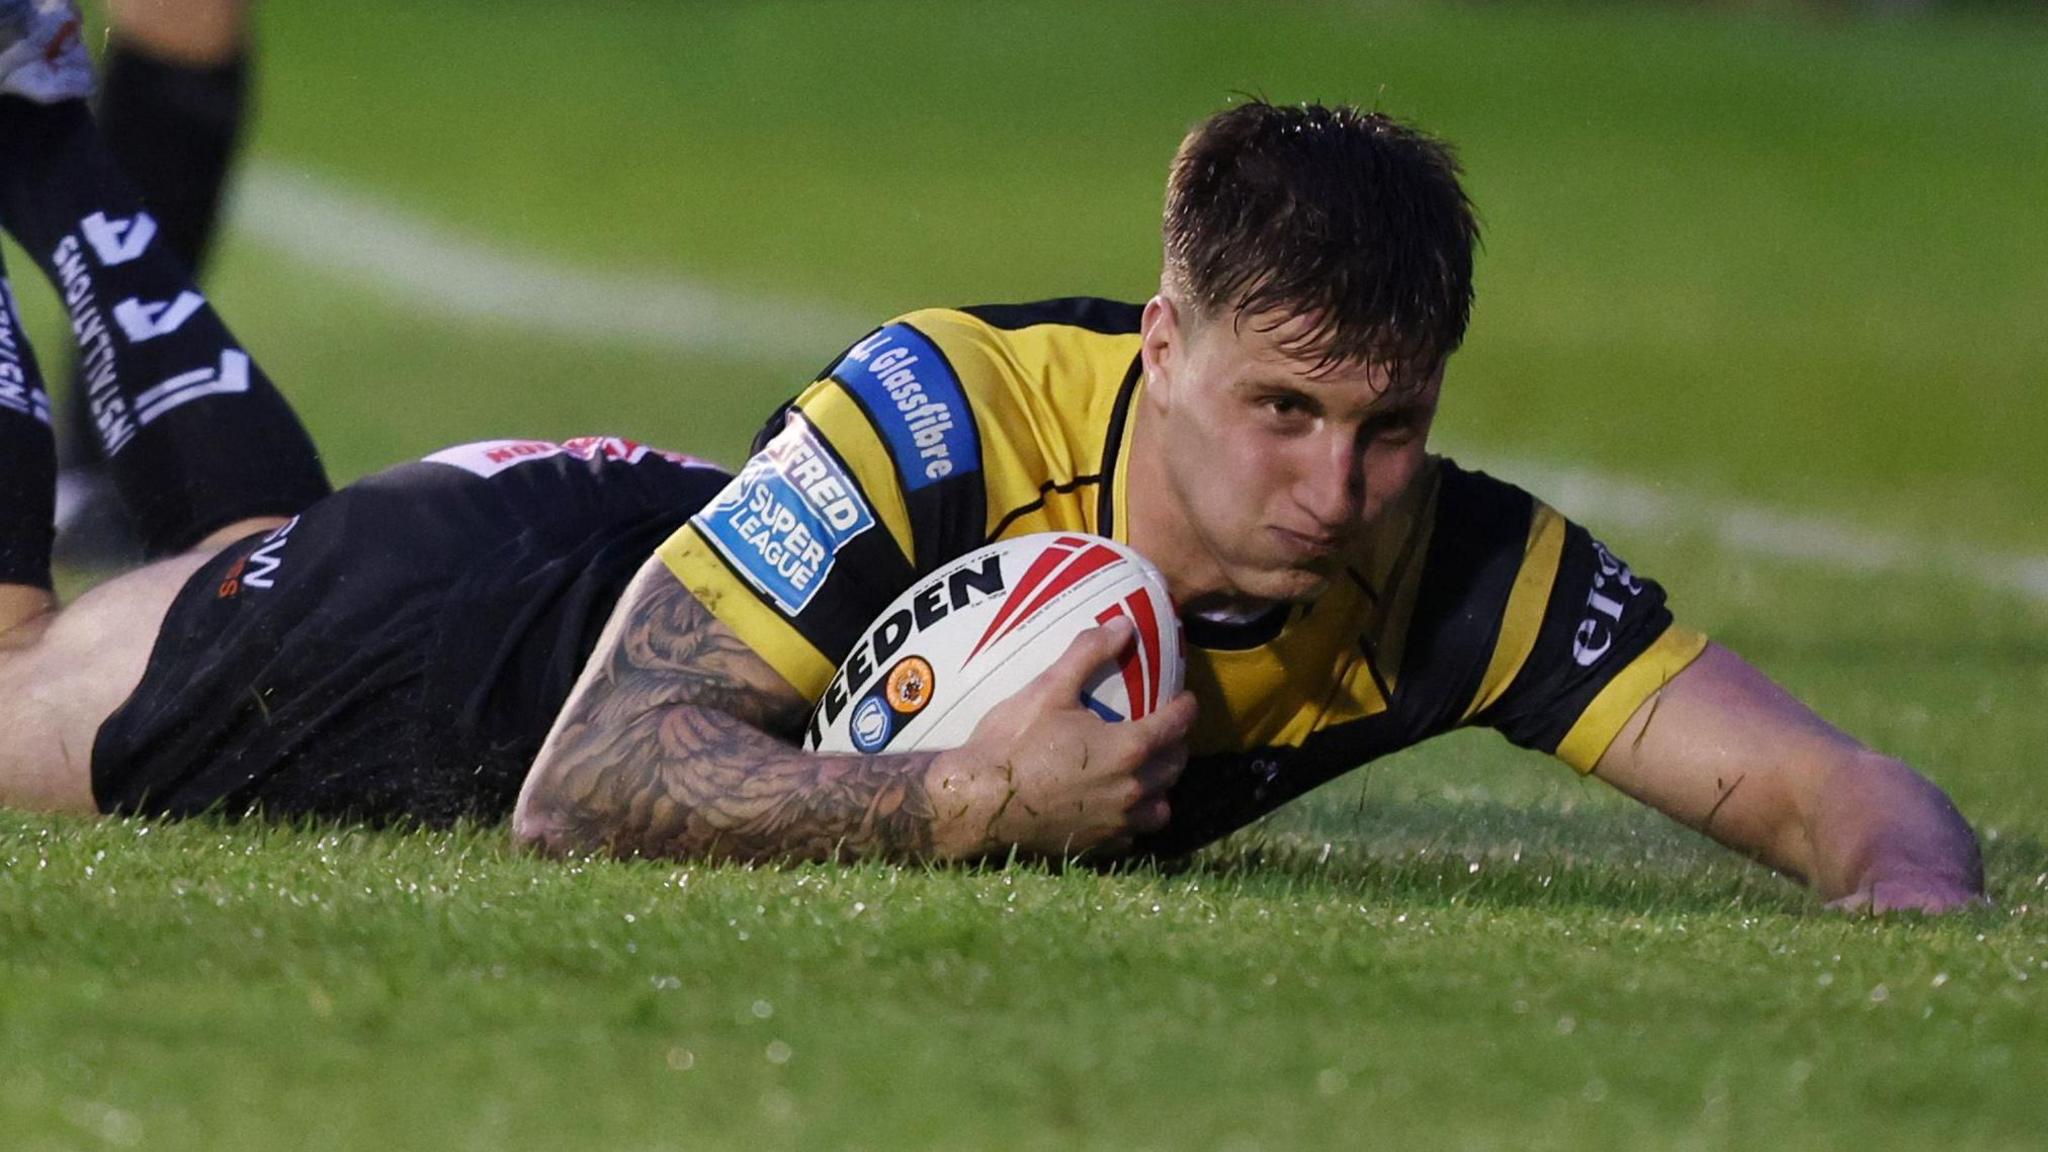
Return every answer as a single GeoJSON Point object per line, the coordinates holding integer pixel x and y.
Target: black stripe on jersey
{"type": "Point", "coordinates": [1105, 500]}
{"type": "Point", "coordinates": [1553, 689]}
{"type": "Point", "coordinates": [868, 572]}
{"type": "Point", "coordinates": [947, 518]}
{"type": "Point", "coordinates": [774, 424]}
{"type": "Point", "coordinates": [772, 427]}
{"type": "Point", "coordinates": [1044, 490]}
{"type": "Point", "coordinates": [1475, 553]}
{"type": "Point", "coordinates": [1216, 795]}
{"type": "Point", "coordinates": [1237, 636]}
{"type": "Point", "coordinates": [1108, 317]}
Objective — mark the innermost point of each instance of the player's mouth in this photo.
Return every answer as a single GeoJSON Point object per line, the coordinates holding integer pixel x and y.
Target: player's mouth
{"type": "Point", "coordinates": [1309, 547]}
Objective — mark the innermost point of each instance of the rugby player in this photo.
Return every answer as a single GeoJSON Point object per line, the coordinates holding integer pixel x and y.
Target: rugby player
{"type": "Point", "coordinates": [619, 647]}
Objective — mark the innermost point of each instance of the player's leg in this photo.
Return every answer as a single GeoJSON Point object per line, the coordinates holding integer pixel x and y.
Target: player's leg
{"type": "Point", "coordinates": [201, 444]}
{"type": "Point", "coordinates": [28, 476]}
{"type": "Point", "coordinates": [61, 674]}
{"type": "Point", "coordinates": [171, 108]}
{"type": "Point", "coordinates": [194, 432]}
{"type": "Point", "coordinates": [172, 101]}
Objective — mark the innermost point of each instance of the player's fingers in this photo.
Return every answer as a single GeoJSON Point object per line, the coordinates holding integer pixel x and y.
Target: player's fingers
{"type": "Point", "coordinates": [1149, 815]}
{"type": "Point", "coordinates": [1167, 726]}
{"type": "Point", "coordinates": [1090, 650]}
{"type": "Point", "coordinates": [1163, 768]}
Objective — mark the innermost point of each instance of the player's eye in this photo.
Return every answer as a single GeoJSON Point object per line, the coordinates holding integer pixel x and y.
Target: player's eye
{"type": "Point", "coordinates": [1399, 430]}
{"type": "Point", "coordinates": [1283, 407]}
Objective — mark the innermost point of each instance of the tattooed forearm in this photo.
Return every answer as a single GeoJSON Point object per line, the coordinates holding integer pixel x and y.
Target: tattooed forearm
{"type": "Point", "coordinates": [668, 747]}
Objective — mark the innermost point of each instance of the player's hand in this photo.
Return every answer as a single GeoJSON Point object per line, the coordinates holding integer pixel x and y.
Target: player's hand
{"type": "Point", "coordinates": [1929, 894]}
{"type": "Point", "coordinates": [1045, 776]}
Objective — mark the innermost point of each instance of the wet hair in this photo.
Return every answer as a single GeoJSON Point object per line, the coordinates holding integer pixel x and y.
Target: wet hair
{"type": "Point", "coordinates": [1351, 219]}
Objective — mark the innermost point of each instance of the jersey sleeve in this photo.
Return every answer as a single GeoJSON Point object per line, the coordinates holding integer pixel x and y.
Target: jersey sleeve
{"type": "Point", "coordinates": [1581, 639]}
{"type": "Point", "coordinates": [869, 478]}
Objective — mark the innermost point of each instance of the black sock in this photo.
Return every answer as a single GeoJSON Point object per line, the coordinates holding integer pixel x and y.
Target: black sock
{"type": "Point", "coordinates": [173, 128]}
{"type": "Point", "coordinates": [193, 431]}
{"type": "Point", "coordinates": [28, 456]}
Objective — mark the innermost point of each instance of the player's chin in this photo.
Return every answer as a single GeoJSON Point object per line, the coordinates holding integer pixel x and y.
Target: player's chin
{"type": "Point", "coordinates": [1291, 584]}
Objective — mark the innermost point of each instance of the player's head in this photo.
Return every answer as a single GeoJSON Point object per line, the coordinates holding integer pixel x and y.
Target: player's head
{"type": "Point", "coordinates": [1317, 276]}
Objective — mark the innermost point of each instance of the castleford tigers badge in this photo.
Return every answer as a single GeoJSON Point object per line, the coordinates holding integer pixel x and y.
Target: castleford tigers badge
{"type": "Point", "coordinates": [909, 687]}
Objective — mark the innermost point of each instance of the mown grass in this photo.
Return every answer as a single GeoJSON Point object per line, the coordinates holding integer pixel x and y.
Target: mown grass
{"type": "Point", "coordinates": [1782, 258]}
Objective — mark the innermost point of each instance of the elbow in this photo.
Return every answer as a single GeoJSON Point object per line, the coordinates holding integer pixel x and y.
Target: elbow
{"type": "Point", "coordinates": [543, 821]}
{"type": "Point", "coordinates": [537, 827]}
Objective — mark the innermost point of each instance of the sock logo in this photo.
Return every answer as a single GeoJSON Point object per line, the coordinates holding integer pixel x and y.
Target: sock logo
{"type": "Point", "coordinates": [185, 387]}
{"type": "Point", "coordinates": [147, 321]}
{"type": "Point", "coordinates": [19, 390]}
{"type": "Point", "coordinates": [118, 241]}
{"type": "Point", "coordinates": [96, 359]}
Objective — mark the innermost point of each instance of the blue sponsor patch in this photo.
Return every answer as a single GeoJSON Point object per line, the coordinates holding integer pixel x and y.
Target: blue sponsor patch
{"type": "Point", "coordinates": [784, 518]}
{"type": "Point", "coordinates": [911, 392]}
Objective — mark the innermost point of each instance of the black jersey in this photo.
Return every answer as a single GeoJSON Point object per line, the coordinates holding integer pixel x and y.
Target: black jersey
{"type": "Point", "coordinates": [400, 649]}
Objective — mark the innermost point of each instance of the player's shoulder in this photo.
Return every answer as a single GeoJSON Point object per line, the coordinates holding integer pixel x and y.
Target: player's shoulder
{"type": "Point", "coordinates": [1472, 503]}
{"type": "Point", "coordinates": [1068, 347]}
{"type": "Point", "coordinates": [1027, 393]}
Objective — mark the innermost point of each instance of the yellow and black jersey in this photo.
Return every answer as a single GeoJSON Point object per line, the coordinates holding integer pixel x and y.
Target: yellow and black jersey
{"type": "Point", "coordinates": [946, 429]}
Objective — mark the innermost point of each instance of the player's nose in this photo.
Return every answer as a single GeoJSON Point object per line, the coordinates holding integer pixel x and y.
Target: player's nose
{"type": "Point", "coordinates": [1332, 490]}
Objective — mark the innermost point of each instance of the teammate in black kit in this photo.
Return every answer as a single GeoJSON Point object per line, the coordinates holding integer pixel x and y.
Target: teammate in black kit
{"type": "Point", "coordinates": [581, 634]}
{"type": "Point", "coordinates": [171, 108]}
{"type": "Point", "coordinates": [396, 649]}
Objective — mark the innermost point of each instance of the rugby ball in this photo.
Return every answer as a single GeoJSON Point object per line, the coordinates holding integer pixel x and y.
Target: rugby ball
{"type": "Point", "coordinates": [975, 631]}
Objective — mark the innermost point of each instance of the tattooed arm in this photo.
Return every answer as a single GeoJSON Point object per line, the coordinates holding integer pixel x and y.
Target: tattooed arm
{"type": "Point", "coordinates": [675, 743]}
{"type": "Point", "coordinates": [668, 746]}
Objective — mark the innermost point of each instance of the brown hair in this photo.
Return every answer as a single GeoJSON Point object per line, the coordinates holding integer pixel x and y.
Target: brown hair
{"type": "Point", "coordinates": [1352, 219]}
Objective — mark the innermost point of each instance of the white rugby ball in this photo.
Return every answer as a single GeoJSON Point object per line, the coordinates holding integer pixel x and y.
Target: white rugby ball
{"type": "Point", "coordinates": [977, 630]}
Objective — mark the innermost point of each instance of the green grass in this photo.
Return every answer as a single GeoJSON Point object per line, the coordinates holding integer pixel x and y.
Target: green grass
{"type": "Point", "coordinates": [1781, 258]}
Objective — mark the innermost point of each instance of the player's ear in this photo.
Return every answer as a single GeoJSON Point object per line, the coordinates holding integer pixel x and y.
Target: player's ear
{"type": "Point", "coordinates": [1163, 346]}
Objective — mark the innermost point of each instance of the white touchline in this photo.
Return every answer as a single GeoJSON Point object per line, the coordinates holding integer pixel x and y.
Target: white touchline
{"type": "Point", "coordinates": [437, 270]}
{"type": "Point", "coordinates": [1607, 501]}
{"type": "Point", "coordinates": [430, 267]}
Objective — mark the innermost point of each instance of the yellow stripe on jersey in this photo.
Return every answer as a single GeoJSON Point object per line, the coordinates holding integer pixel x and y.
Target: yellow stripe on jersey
{"type": "Point", "coordinates": [1611, 710]}
{"type": "Point", "coordinates": [1523, 618]}
{"type": "Point", "coordinates": [837, 417]}
{"type": "Point", "coordinates": [1043, 430]}
{"type": "Point", "coordinates": [726, 595]}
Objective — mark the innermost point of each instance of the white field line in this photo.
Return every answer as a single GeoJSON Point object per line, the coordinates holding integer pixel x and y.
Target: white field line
{"type": "Point", "coordinates": [435, 271]}
{"type": "Point", "coordinates": [1609, 502]}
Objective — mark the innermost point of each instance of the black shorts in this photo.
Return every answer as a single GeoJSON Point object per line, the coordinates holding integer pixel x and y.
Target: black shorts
{"type": "Point", "coordinates": [399, 651]}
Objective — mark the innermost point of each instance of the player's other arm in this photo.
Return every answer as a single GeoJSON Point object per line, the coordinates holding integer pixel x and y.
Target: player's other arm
{"type": "Point", "coordinates": [676, 742]}
{"type": "Point", "coordinates": [1728, 752]}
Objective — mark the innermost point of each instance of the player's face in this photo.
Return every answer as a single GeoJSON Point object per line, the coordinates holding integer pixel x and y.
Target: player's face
{"type": "Point", "coordinates": [1276, 472]}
